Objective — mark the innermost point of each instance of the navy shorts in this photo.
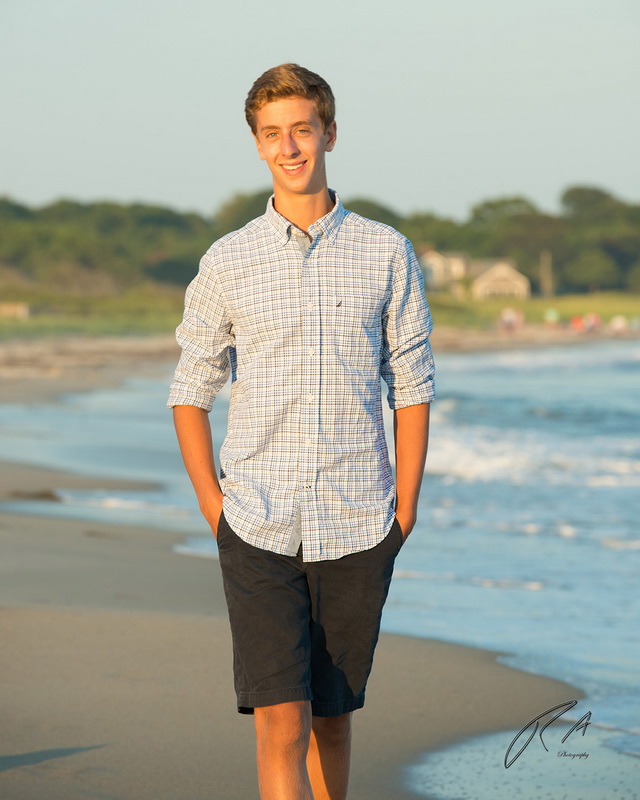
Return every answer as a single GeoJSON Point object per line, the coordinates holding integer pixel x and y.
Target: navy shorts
{"type": "Point", "coordinates": [304, 630]}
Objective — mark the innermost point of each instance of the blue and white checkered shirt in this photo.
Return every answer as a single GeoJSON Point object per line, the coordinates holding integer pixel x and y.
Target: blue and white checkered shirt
{"type": "Point", "coordinates": [307, 337]}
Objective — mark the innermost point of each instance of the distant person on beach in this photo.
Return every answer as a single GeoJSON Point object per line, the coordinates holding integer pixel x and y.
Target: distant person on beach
{"type": "Point", "coordinates": [307, 307]}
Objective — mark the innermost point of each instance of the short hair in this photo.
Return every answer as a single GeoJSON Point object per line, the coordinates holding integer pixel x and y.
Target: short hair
{"type": "Point", "coordinates": [290, 80]}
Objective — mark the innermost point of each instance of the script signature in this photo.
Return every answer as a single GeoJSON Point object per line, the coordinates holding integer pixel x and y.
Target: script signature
{"type": "Point", "coordinates": [582, 724]}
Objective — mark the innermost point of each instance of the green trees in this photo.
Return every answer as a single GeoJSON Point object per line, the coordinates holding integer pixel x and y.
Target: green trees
{"type": "Point", "coordinates": [68, 247]}
{"type": "Point", "coordinates": [103, 248]}
{"type": "Point", "coordinates": [603, 240]}
{"type": "Point", "coordinates": [239, 210]}
{"type": "Point", "coordinates": [589, 204]}
{"type": "Point", "coordinates": [592, 270]}
{"type": "Point", "coordinates": [594, 243]}
{"type": "Point", "coordinates": [372, 210]}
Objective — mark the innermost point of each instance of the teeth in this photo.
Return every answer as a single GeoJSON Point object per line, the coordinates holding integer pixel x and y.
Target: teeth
{"type": "Point", "coordinates": [292, 166]}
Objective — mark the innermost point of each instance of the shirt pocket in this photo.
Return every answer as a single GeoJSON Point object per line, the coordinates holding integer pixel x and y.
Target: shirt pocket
{"type": "Point", "coordinates": [355, 329]}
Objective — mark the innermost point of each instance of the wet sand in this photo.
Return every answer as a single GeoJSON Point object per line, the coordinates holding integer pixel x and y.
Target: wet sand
{"type": "Point", "coordinates": [39, 370]}
{"type": "Point", "coordinates": [35, 370]}
{"type": "Point", "coordinates": [116, 664]}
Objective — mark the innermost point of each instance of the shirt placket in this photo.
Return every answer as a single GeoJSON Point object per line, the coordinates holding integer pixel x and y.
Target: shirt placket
{"type": "Point", "coordinates": [310, 395]}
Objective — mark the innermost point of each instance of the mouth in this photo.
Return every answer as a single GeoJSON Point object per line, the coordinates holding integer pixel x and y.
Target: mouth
{"type": "Point", "coordinates": [291, 168]}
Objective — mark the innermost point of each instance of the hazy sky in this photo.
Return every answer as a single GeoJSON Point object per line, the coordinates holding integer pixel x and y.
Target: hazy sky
{"type": "Point", "coordinates": [440, 104]}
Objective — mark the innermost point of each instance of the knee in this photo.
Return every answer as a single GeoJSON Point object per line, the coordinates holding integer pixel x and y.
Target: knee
{"type": "Point", "coordinates": [286, 725]}
{"type": "Point", "coordinates": [333, 732]}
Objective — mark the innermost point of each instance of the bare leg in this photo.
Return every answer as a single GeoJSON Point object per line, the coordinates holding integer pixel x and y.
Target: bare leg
{"type": "Point", "coordinates": [282, 736]}
{"type": "Point", "coordinates": [329, 756]}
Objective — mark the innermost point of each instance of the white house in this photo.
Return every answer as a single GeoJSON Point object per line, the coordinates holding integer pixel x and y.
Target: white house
{"type": "Point", "coordinates": [498, 279]}
{"type": "Point", "coordinates": [486, 278]}
{"type": "Point", "coordinates": [442, 270]}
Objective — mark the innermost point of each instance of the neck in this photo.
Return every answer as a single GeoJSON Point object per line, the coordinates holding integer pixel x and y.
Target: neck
{"type": "Point", "coordinates": [304, 209]}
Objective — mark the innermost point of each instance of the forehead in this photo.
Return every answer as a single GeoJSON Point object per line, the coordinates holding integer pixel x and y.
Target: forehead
{"type": "Point", "coordinates": [286, 112]}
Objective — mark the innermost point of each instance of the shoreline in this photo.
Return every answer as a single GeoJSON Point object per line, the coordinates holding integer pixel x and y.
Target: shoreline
{"type": "Point", "coordinates": [110, 635]}
{"type": "Point", "coordinates": [31, 482]}
{"type": "Point", "coordinates": [41, 369]}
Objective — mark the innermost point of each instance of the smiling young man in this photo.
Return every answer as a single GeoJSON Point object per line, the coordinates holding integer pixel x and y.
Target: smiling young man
{"type": "Point", "coordinates": [307, 307]}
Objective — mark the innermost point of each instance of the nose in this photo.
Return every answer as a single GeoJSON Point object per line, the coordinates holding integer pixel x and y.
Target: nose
{"type": "Point", "coordinates": [288, 146]}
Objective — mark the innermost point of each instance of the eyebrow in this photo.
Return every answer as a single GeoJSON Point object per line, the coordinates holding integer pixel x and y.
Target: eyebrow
{"type": "Point", "coordinates": [277, 127]}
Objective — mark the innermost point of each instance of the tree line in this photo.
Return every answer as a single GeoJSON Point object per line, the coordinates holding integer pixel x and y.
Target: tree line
{"type": "Point", "coordinates": [103, 247]}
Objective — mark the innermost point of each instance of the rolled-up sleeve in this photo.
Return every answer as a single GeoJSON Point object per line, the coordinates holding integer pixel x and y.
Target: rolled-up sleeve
{"type": "Point", "coordinates": [205, 336]}
{"type": "Point", "coordinates": [407, 361]}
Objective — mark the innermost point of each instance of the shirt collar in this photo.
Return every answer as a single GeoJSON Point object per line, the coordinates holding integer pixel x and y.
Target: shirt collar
{"type": "Point", "coordinates": [327, 225]}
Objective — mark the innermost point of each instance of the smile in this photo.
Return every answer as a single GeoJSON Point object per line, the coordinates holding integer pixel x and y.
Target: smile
{"type": "Point", "coordinates": [292, 167]}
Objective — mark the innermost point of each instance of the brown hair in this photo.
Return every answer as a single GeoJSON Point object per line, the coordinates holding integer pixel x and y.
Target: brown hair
{"type": "Point", "coordinates": [290, 80]}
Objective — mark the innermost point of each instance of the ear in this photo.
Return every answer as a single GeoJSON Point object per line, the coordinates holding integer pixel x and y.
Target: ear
{"type": "Point", "coordinates": [259, 148]}
{"type": "Point", "coordinates": [331, 134]}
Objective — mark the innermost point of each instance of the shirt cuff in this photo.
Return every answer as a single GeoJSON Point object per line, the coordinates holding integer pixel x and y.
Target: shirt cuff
{"type": "Point", "coordinates": [182, 396]}
{"type": "Point", "coordinates": [411, 397]}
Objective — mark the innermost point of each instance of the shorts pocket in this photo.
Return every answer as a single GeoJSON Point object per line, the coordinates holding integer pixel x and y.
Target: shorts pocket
{"type": "Point", "coordinates": [398, 530]}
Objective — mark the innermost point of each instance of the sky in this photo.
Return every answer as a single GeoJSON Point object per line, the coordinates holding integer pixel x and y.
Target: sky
{"type": "Point", "coordinates": [440, 105]}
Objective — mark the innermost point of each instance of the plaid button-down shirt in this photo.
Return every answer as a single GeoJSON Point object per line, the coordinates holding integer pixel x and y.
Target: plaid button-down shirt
{"type": "Point", "coordinates": [307, 337]}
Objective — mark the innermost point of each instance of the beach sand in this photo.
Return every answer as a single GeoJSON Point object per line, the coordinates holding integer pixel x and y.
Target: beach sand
{"type": "Point", "coordinates": [116, 656]}
{"type": "Point", "coordinates": [37, 370]}
{"type": "Point", "coordinates": [116, 665]}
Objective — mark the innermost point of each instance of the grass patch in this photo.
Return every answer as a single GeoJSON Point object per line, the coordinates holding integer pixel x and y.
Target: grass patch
{"type": "Point", "coordinates": [141, 310]}
{"type": "Point", "coordinates": [485, 314]}
{"type": "Point", "coordinates": [52, 325]}
{"type": "Point", "coordinates": [152, 308]}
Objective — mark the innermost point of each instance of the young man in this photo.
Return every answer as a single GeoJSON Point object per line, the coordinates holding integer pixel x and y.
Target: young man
{"type": "Point", "coordinates": [306, 307]}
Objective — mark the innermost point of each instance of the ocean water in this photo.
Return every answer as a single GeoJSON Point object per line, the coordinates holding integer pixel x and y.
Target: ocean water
{"type": "Point", "coordinates": [528, 541]}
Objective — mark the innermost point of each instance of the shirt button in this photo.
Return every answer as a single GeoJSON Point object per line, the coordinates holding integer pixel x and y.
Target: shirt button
{"type": "Point", "coordinates": [311, 351]}
{"type": "Point", "coordinates": [310, 398]}
{"type": "Point", "coordinates": [309, 442]}
{"type": "Point", "coordinates": [310, 306]}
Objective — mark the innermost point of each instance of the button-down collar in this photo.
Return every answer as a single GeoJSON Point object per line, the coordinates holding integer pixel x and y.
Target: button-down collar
{"type": "Point", "coordinates": [327, 225]}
